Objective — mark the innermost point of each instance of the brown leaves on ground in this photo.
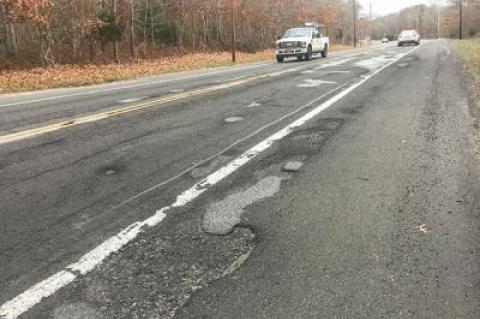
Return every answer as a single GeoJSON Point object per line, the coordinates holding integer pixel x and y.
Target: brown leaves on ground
{"type": "Point", "coordinates": [78, 75]}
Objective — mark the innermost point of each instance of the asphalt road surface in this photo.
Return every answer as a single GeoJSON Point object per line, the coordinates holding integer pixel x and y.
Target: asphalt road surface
{"type": "Point", "coordinates": [344, 187]}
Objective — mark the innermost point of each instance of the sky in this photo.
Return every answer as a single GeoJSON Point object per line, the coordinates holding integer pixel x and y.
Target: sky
{"type": "Point", "coordinates": [382, 7]}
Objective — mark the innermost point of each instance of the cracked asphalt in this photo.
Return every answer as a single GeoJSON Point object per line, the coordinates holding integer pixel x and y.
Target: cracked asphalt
{"type": "Point", "coordinates": [378, 219]}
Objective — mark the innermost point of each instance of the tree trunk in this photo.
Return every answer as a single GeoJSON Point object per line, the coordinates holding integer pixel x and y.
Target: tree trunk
{"type": "Point", "coordinates": [11, 40]}
{"type": "Point", "coordinates": [103, 40]}
{"type": "Point", "coordinates": [11, 44]}
{"type": "Point", "coordinates": [46, 44]}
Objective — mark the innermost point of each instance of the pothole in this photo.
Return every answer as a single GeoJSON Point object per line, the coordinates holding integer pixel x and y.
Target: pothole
{"type": "Point", "coordinates": [111, 169]}
{"type": "Point", "coordinates": [313, 139]}
{"type": "Point", "coordinates": [309, 141]}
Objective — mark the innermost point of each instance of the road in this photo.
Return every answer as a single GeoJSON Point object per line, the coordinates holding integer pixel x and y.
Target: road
{"type": "Point", "coordinates": [344, 187]}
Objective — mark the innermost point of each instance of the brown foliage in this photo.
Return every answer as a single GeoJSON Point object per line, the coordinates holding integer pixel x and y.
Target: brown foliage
{"type": "Point", "coordinates": [34, 11]}
{"type": "Point", "coordinates": [68, 31]}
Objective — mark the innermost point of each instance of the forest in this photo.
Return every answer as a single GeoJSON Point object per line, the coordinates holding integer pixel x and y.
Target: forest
{"type": "Point", "coordinates": [49, 33]}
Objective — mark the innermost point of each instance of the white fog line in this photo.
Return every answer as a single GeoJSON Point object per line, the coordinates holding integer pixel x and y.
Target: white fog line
{"type": "Point", "coordinates": [25, 301]}
{"type": "Point", "coordinates": [95, 91]}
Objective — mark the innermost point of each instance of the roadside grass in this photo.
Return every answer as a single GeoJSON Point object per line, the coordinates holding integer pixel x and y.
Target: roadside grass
{"type": "Point", "coordinates": [12, 81]}
{"type": "Point", "coordinates": [469, 51]}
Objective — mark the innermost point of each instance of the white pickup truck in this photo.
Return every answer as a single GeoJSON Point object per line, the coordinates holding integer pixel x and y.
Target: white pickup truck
{"type": "Point", "coordinates": [302, 43]}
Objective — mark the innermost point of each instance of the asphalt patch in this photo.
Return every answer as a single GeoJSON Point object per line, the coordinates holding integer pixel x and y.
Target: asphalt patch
{"type": "Point", "coordinates": [292, 166]}
{"type": "Point", "coordinates": [221, 217]}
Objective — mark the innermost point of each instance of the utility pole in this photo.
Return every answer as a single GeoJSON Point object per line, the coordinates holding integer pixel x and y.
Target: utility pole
{"type": "Point", "coordinates": [460, 20]}
{"type": "Point", "coordinates": [438, 21]}
{"type": "Point", "coordinates": [115, 20]}
{"type": "Point", "coordinates": [234, 58]}
{"type": "Point", "coordinates": [371, 22]}
{"type": "Point", "coordinates": [132, 29]}
{"type": "Point", "coordinates": [354, 23]}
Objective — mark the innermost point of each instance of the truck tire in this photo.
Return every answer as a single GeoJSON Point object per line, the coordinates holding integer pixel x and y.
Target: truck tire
{"type": "Point", "coordinates": [308, 55]}
{"type": "Point", "coordinates": [279, 59]}
{"type": "Point", "coordinates": [325, 51]}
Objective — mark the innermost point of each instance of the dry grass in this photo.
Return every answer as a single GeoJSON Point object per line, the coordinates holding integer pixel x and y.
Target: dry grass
{"type": "Point", "coordinates": [78, 75]}
{"type": "Point", "coordinates": [469, 51]}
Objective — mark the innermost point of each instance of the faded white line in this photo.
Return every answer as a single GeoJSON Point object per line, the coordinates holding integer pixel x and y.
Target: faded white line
{"type": "Point", "coordinates": [25, 301]}
{"type": "Point", "coordinates": [312, 83]}
{"type": "Point", "coordinates": [340, 72]}
{"type": "Point", "coordinates": [133, 99]}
